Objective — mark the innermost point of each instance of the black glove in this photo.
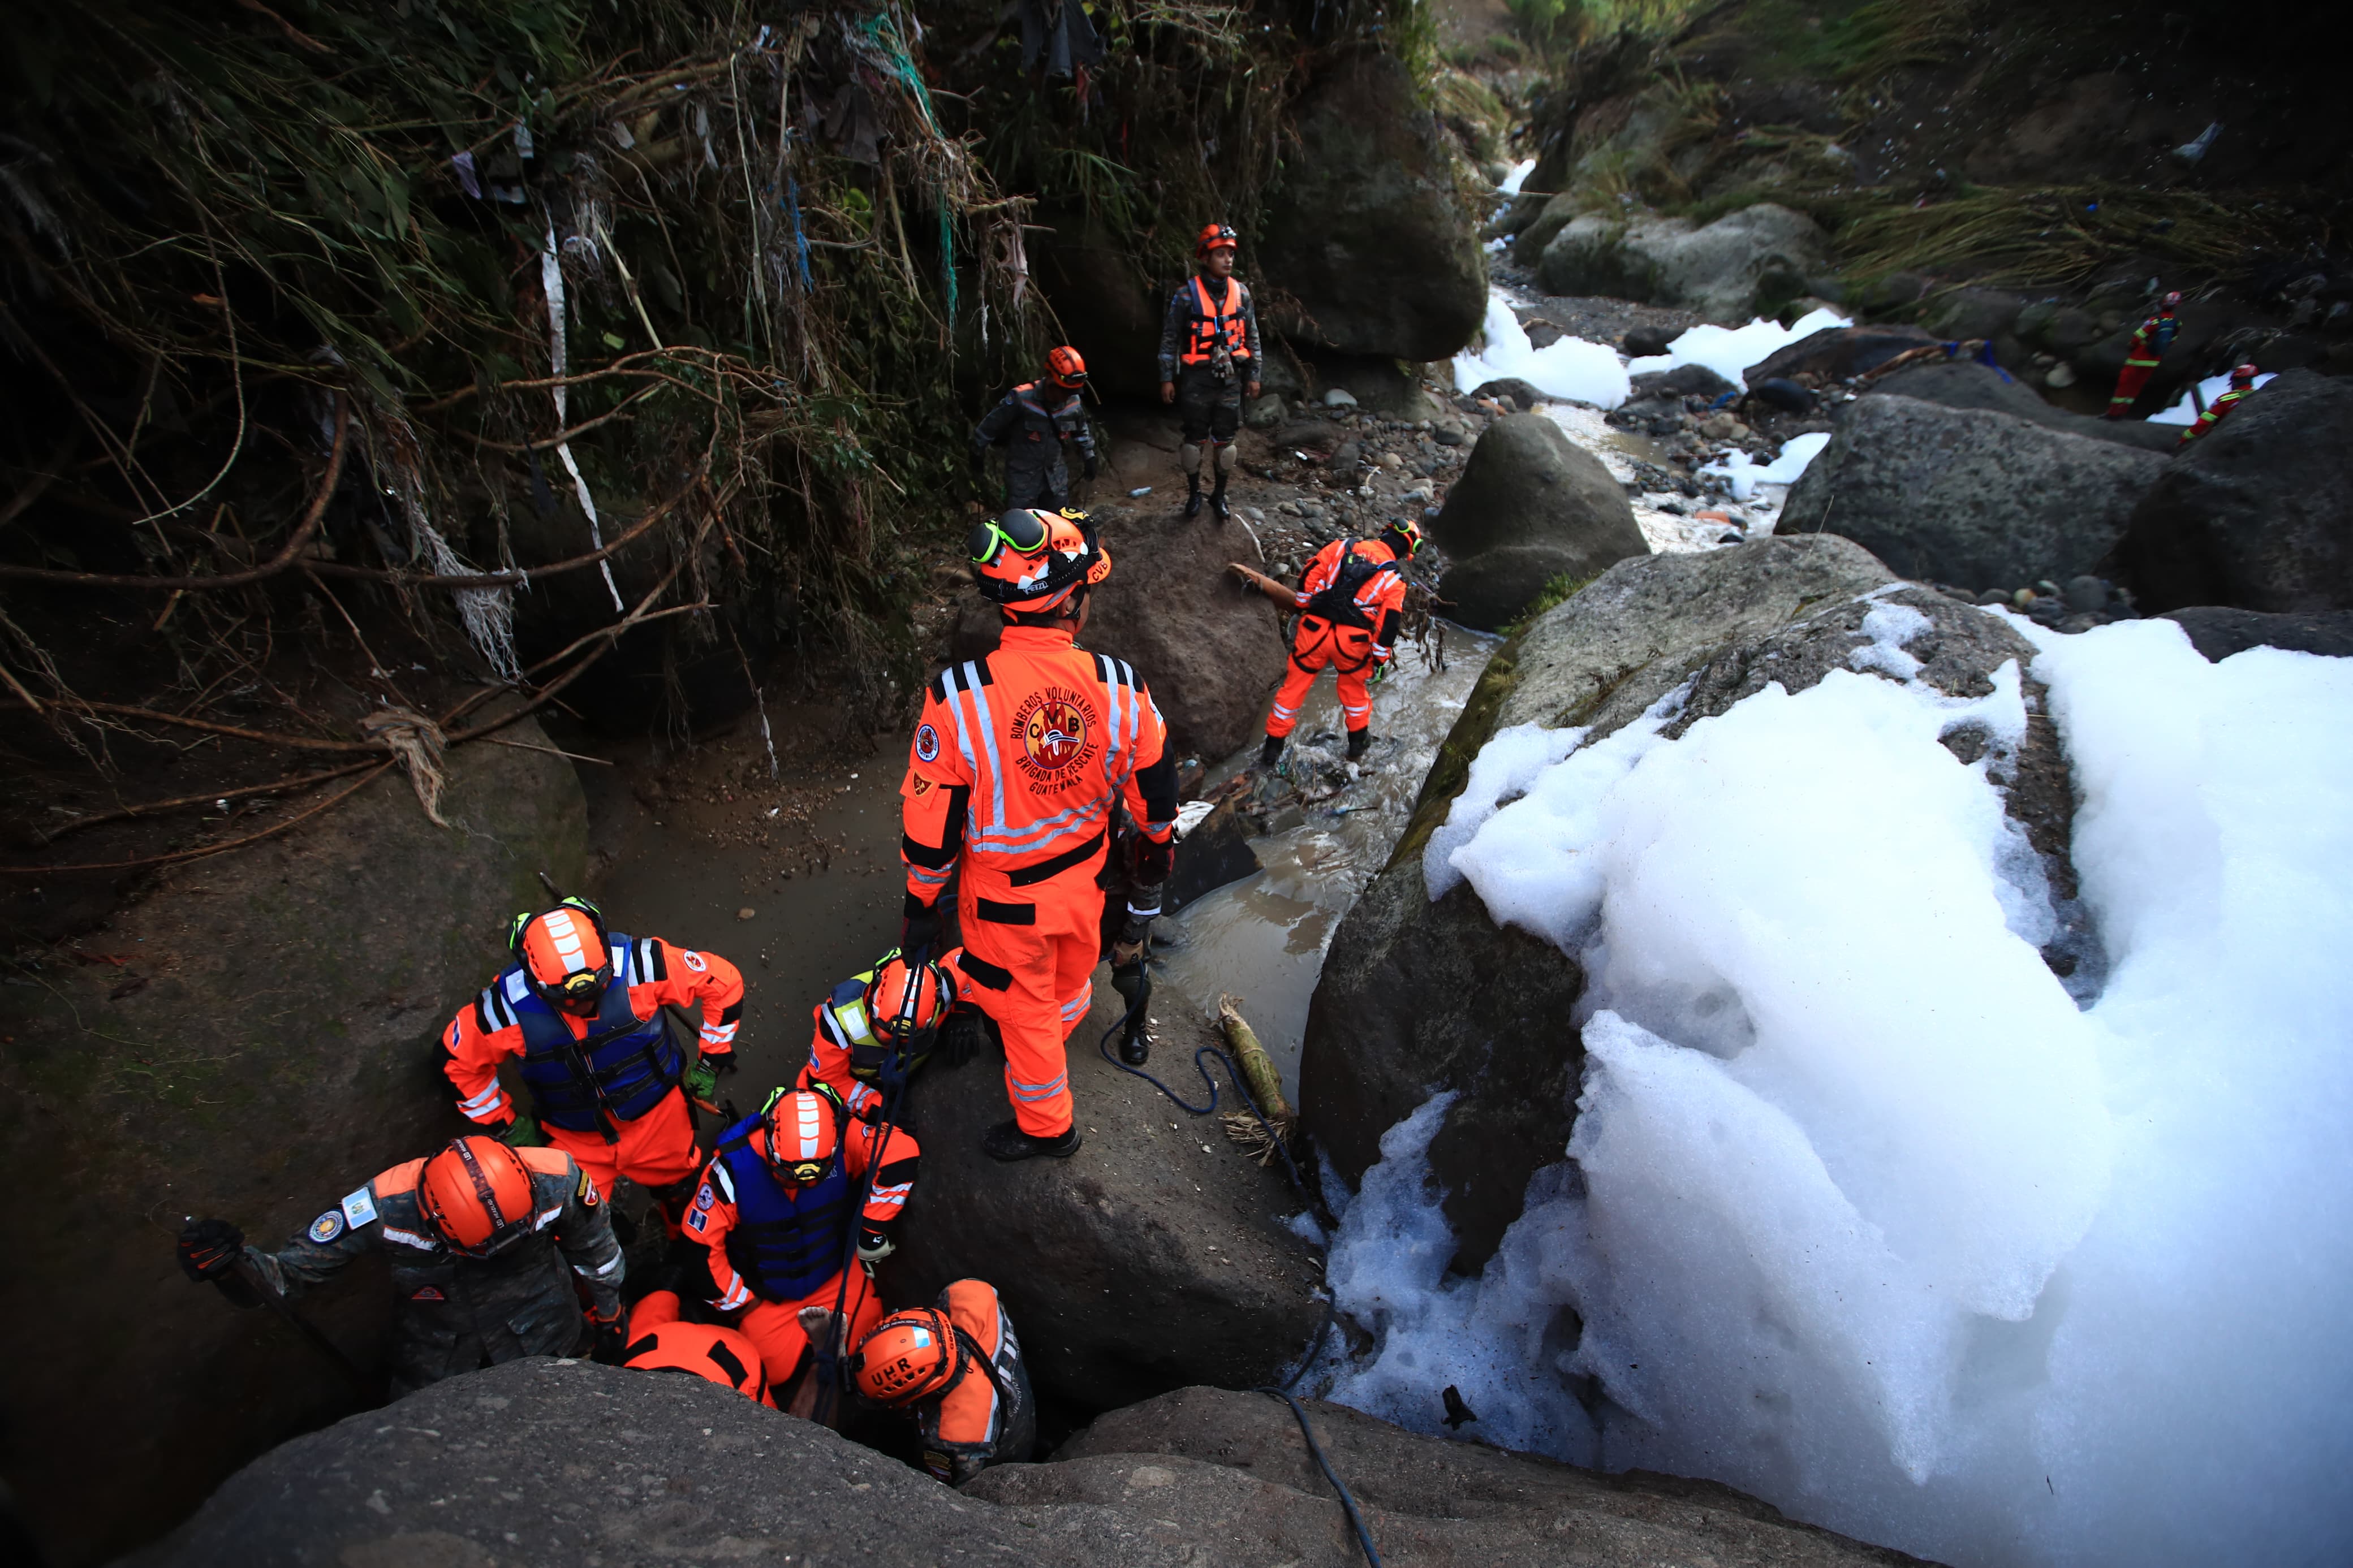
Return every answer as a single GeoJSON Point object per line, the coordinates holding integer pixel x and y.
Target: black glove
{"type": "Point", "coordinates": [960, 1036]}
{"type": "Point", "coordinates": [919, 927]}
{"type": "Point", "coordinates": [612, 1342]}
{"type": "Point", "coordinates": [209, 1248]}
{"type": "Point", "coordinates": [1088, 471]}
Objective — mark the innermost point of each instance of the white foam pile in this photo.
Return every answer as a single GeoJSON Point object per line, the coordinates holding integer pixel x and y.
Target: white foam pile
{"type": "Point", "coordinates": [2186, 412]}
{"type": "Point", "coordinates": [1568, 367]}
{"type": "Point", "coordinates": [1729, 351]}
{"type": "Point", "coordinates": [1517, 177]}
{"type": "Point", "coordinates": [1743, 473]}
{"type": "Point", "coordinates": [1863, 1216]}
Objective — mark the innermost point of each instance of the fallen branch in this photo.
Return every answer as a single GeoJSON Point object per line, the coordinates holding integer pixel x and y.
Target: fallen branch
{"type": "Point", "coordinates": [155, 808]}
{"type": "Point", "coordinates": [306, 812]}
{"type": "Point", "coordinates": [277, 564]}
{"type": "Point", "coordinates": [296, 743]}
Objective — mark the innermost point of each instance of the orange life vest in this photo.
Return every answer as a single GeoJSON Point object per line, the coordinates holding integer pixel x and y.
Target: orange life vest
{"type": "Point", "coordinates": [1212, 319]}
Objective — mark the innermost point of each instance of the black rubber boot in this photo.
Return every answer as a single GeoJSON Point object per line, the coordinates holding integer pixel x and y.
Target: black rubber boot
{"type": "Point", "coordinates": [1271, 753]}
{"type": "Point", "coordinates": [1192, 496]}
{"type": "Point", "coordinates": [1006, 1141]}
{"type": "Point", "coordinates": [1359, 742]}
{"type": "Point", "coordinates": [1218, 500]}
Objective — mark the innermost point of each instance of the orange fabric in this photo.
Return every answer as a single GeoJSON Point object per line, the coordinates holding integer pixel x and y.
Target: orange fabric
{"type": "Point", "coordinates": [474, 1053]}
{"type": "Point", "coordinates": [1381, 595]}
{"type": "Point", "coordinates": [1050, 969]}
{"type": "Point", "coordinates": [560, 943]}
{"type": "Point", "coordinates": [830, 1064]}
{"type": "Point", "coordinates": [2129, 381]}
{"type": "Point", "coordinates": [1354, 677]}
{"type": "Point", "coordinates": [655, 1149]}
{"type": "Point", "coordinates": [1211, 316]}
{"type": "Point", "coordinates": [401, 1178]}
{"type": "Point", "coordinates": [774, 1327]}
{"type": "Point", "coordinates": [659, 1341]}
{"type": "Point", "coordinates": [968, 1412]}
{"type": "Point", "coordinates": [713, 1216]}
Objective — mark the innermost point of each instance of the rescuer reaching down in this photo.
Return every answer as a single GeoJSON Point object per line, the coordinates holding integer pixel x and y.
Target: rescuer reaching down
{"type": "Point", "coordinates": [955, 1370]}
{"type": "Point", "coordinates": [776, 1209]}
{"type": "Point", "coordinates": [485, 1243]}
{"type": "Point", "coordinates": [1033, 423]}
{"type": "Point", "coordinates": [1019, 760]}
{"type": "Point", "coordinates": [2242, 382]}
{"type": "Point", "coordinates": [875, 1029]}
{"type": "Point", "coordinates": [1349, 604]}
{"type": "Point", "coordinates": [1209, 363]}
{"type": "Point", "coordinates": [582, 1008]}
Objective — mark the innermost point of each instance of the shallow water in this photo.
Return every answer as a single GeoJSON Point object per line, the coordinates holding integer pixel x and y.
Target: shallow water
{"type": "Point", "coordinates": [1262, 938]}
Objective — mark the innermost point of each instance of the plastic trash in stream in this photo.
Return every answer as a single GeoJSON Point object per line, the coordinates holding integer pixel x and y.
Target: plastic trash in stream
{"type": "Point", "coordinates": [1139, 490]}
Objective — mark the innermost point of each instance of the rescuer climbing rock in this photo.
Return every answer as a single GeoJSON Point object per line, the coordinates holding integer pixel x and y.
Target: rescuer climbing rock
{"type": "Point", "coordinates": [774, 1208]}
{"type": "Point", "coordinates": [955, 1370]}
{"type": "Point", "coordinates": [2149, 342]}
{"type": "Point", "coordinates": [2242, 382]}
{"type": "Point", "coordinates": [1209, 363]}
{"type": "Point", "coordinates": [1349, 604]}
{"type": "Point", "coordinates": [485, 1241]}
{"type": "Point", "coordinates": [1018, 762]}
{"type": "Point", "coordinates": [1033, 423]}
{"type": "Point", "coordinates": [583, 1009]}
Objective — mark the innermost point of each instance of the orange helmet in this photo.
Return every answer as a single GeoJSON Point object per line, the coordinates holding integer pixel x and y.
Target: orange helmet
{"type": "Point", "coordinates": [477, 1195]}
{"type": "Point", "coordinates": [1031, 560]}
{"type": "Point", "coordinates": [1217, 237]}
{"type": "Point", "coordinates": [907, 1355]}
{"type": "Point", "coordinates": [2243, 375]}
{"type": "Point", "coordinates": [804, 1129]}
{"type": "Point", "coordinates": [566, 959]}
{"type": "Point", "coordinates": [905, 1001]}
{"type": "Point", "coordinates": [1066, 367]}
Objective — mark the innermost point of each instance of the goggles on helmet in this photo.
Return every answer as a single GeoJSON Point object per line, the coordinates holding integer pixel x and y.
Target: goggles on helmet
{"type": "Point", "coordinates": [1410, 532]}
{"type": "Point", "coordinates": [1021, 531]}
{"type": "Point", "coordinates": [804, 1129]}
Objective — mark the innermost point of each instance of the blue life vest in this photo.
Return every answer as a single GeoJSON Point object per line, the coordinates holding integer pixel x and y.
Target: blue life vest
{"type": "Point", "coordinates": [788, 1241]}
{"type": "Point", "coordinates": [626, 1064]}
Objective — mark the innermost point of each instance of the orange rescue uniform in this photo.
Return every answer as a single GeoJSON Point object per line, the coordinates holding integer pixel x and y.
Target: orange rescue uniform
{"type": "Point", "coordinates": [1018, 763]}
{"type": "Point", "coordinates": [1348, 632]}
{"type": "Point", "coordinates": [837, 1031]}
{"type": "Point", "coordinates": [661, 1340]}
{"type": "Point", "coordinates": [655, 1148]}
{"type": "Point", "coordinates": [987, 1413]}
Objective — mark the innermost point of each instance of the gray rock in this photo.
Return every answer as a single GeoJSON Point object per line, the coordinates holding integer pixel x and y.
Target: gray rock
{"type": "Point", "coordinates": [1144, 1262]}
{"type": "Point", "coordinates": [543, 1463]}
{"type": "Point", "coordinates": [2218, 632]}
{"type": "Point", "coordinates": [1528, 484]}
{"type": "Point", "coordinates": [2087, 594]}
{"type": "Point", "coordinates": [2258, 514]}
{"type": "Point", "coordinates": [269, 1046]}
{"type": "Point", "coordinates": [1366, 231]}
{"type": "Point", "coordinates": [1717, 270]}
{"type": "Point", "coordinates": [1964, 384]}
{"type": "Point", "coordinates": [1494, 587]}
{"type": "Point", "coordinates": [1524, 396]}
{"type": "Point", "coordinates": [1339, 397]}
{"type": "Point", "coordinates": [1683, 381]}
{"type": "Point", "coordinates": [1265, 413]}
{"type": "Point", "coordinates": [1218, 851]}
{"type": "Point", "coordinates": [1549, 216]}
{"type": "Point", "coordinates": [1647, 342]}
{"type": "Point", "coordinates": [1836, 352]}
{"type": "Point", "coordinates": [1968, 496]}
{"type": "Point", "coordinates": [1416, 995]}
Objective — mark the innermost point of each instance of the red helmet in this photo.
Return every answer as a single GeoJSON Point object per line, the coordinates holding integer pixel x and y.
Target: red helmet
{"type": "Point", "coordinates": [804, 1129]}
{"type": "Point", "coordinates": [477, 1195]}
{"type": "Point", "coordinates": [1217, 237]}
{"type": "Point", "coordinates": [2173, 299]}
{"type": "Point", "coordinates": [908, 1356]}
{"type": "Point", "coordinates": [2243, 375]}
{"type": "Point", "coordinates": [566, 959]}
{"type": "Point", "coordinates": [1030, 561]}
{"type": "Point", "coordinates": [1066, 367]}
{"type": "Point", "coordinates": [906, 1002]}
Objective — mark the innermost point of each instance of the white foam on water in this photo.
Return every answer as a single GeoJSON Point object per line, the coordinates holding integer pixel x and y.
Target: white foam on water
{"type": "Point", "coordinates": [1517, 177]}
{"type": "Point", "coordinates": [1744, 473]}
{"type": "Point", "coordinates": [1862, 1215]}
{"type": "Point", "coordinates": [1729, 351]}
{"type": "Point", "coordinates": [1568, 368]}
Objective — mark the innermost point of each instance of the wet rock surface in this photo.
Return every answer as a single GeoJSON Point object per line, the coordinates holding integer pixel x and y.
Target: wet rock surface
{"type": "Point", "coordinates": [1968, 496]}
{"type": "Point", "coordinates": [1835, 353]}
{"type": "Point", "coordinates": [2258, 514]}
{"type": "Point", "coordinates": [2219, 632]}
{"type": "Point", "coordinates": [1719, 269]}
{"type": "Point", "coordinates": [1365, 232]}
{"type": "Point", "coordinates": [547, 1464]}
{"type": "Point", "coordinates": [1530, 491]}
{"type": "Point", "coordinates": [1962, 383]}
{"type": "Point", "coordinates": [253, 1038]}
{"type": "Point", "coordinates": [1155, 1256]}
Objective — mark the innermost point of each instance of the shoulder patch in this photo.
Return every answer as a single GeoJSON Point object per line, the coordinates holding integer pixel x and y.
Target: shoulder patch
{"type": "Point", "coordinates": [326, 1227]}
{"type": "Point", "coordinates": [359, 1208]}
{"type": "Point", "coordinates": [693, 961]}
{"type": "Point", "coordinates": [586, 1190]}
{"type": "Point", "coordinates": [697, 1219]}
{"type": "Point", "coordinates": [927, 742]}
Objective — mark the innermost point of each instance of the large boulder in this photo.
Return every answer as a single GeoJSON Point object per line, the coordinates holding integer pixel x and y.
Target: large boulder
{"type": "Point", "coordinates": [2258, 514]}
{"type": "Point", "coordinates": [1367, 232]}
{"type": "Point", "coordinates": [1158, 1256]}
{"type": "Point", "coordinates": [1108, 308]}
{"type": "Point", "coordinates": [253, 1038]}
{"type": "Point", "coordinates": [2218, 632]}
{"type": "Point", "coordinates": [1964, 383]}
{"type": "Point", "coordinates": [1212, 652]}
{"type": "Point", "coordinates": [1834, 353]}
{"type": "Point", "coordinates": [1725, 270]}
{"type": "Point", "coordinates": [1418, 994]}
{"type": "Point", "coordinates": [1544, 505]}
{"type": "Point", "coordinates": [1968, 495]}
{"type": "Point", "coordinates": [551, 1464]}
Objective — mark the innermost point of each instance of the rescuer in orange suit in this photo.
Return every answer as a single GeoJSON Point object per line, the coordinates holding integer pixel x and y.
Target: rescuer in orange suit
{"type": "Point", "coordinates": [2242, 383]}
{"type": "Point", "coordinates": [1349, 604]}
{"type": "Point", "coordinates": [2149, 342]}
{"type": "Point", "coordinates": [1209, 362]}
{"type": "Point", "coordinates": [1020, 761]}
{"type": "Point", "coordinates": [582, 1008]}
{"type": "Point", "coordinates": [659, 1340]}
{"type": "Point", "coordinates": [956, 1370]}
{"type": "Point", "coordinates": [873, 1030]}
{"type": "Point", "coordinates": [775, 1210]}
{"type": "Point", "coordinates": [479, 1236]}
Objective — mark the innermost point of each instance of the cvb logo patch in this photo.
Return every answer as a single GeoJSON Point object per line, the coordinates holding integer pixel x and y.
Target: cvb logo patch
{"type": "Point", "coordinates": [927, 743]}
{"type": "Point", "coordinates": [1055, 729]}
{"type": "Point", "coordinates": [693, 961]}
